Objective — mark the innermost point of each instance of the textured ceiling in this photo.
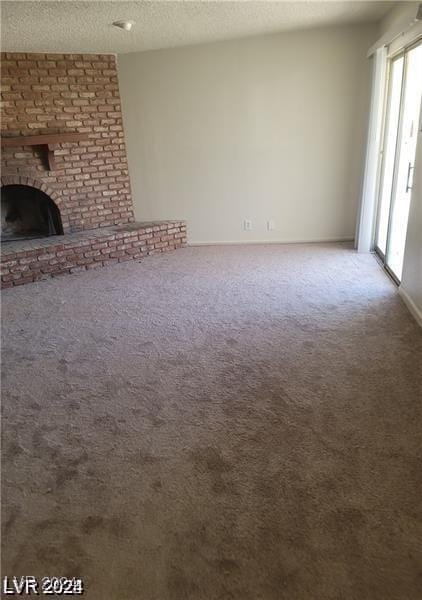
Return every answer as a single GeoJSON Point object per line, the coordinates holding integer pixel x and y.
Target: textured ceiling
{"type": "Point", "coordinates": [73, 26]}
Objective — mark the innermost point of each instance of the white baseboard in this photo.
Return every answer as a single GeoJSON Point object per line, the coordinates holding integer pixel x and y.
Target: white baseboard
{"type": "Point", "coordinates": [284, 241]}
{"type": "Point", "coordinates": [413, 309]}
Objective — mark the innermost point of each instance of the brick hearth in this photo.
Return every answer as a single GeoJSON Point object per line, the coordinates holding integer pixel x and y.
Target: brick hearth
{"type": "Point", "coordinates": [34, 260]}
{"type": "Point", "coordinates": [44, 94]}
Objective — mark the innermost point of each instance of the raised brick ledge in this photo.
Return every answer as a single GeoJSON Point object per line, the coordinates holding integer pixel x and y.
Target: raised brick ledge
{"type": "Point", "coordinates": [33, 260]}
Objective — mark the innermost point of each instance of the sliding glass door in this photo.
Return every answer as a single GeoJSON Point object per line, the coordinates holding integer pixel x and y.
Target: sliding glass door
{"type": "Point", "coordinates": [398, 157]}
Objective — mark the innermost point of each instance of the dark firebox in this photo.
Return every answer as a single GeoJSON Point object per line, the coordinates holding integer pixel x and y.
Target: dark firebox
{"type": "Point", "coordinates": [27, 212]}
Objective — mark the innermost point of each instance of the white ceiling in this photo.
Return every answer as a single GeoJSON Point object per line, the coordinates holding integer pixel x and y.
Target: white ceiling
{"type": "Point", "coordinates": [73, 26]}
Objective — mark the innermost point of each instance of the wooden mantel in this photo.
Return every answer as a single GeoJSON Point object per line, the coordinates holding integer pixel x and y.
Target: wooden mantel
{"type": "Point", "coordinates": [47, 141]}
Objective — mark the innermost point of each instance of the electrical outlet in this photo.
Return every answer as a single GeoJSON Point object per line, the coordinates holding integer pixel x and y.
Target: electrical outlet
{"type": "Point", "coordinates": [271, 225]}
{"type": "Point", "coordinates": [247, 225]}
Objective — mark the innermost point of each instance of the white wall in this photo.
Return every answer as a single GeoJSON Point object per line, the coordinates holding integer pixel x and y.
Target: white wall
{"type": "Point", "coordinates": [270, 127]}
{"type": "Point", "coordinates": [398, 18]}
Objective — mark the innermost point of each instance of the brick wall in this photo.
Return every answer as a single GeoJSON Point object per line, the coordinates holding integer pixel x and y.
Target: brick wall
{"type": "Point", "coordinates": [55, 93]}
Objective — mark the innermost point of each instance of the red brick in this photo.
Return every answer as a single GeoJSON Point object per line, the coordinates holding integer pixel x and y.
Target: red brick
{"type": "Point", "coordinates": [46, 88]}
{"type": "Point", "coordinates": [44, 92]}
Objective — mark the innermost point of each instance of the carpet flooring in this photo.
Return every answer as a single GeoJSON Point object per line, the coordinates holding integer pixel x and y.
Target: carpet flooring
{"type": "Point", "coordinates": [219, 423]}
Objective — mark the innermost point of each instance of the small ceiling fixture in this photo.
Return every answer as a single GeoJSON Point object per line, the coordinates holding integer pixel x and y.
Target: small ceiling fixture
{"type": "Point", "coordinates": [126, 25]}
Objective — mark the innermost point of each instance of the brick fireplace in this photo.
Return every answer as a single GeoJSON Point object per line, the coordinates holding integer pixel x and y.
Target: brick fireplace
{"type": "Point", "coordinates": [63, 145]}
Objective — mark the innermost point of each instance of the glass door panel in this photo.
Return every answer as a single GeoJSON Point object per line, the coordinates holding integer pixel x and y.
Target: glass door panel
{"type": "Point", "coordinates": [405, 159]}
{"type": "Point", "coordinates": [389, 152]}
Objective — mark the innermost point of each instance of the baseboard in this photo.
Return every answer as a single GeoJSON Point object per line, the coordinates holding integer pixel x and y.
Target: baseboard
{"type": "Point", "coordinates": [413, 309]}
{"type": "Point", "coordinates": [284, 241]}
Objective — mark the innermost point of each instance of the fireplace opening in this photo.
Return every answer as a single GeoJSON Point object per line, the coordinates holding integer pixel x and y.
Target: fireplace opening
{"type": "Point", "coordinates": [28, 213]}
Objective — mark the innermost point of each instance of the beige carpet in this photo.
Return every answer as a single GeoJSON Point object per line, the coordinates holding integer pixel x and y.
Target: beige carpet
{"type": "Point", "coordinates": [220, 423]}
